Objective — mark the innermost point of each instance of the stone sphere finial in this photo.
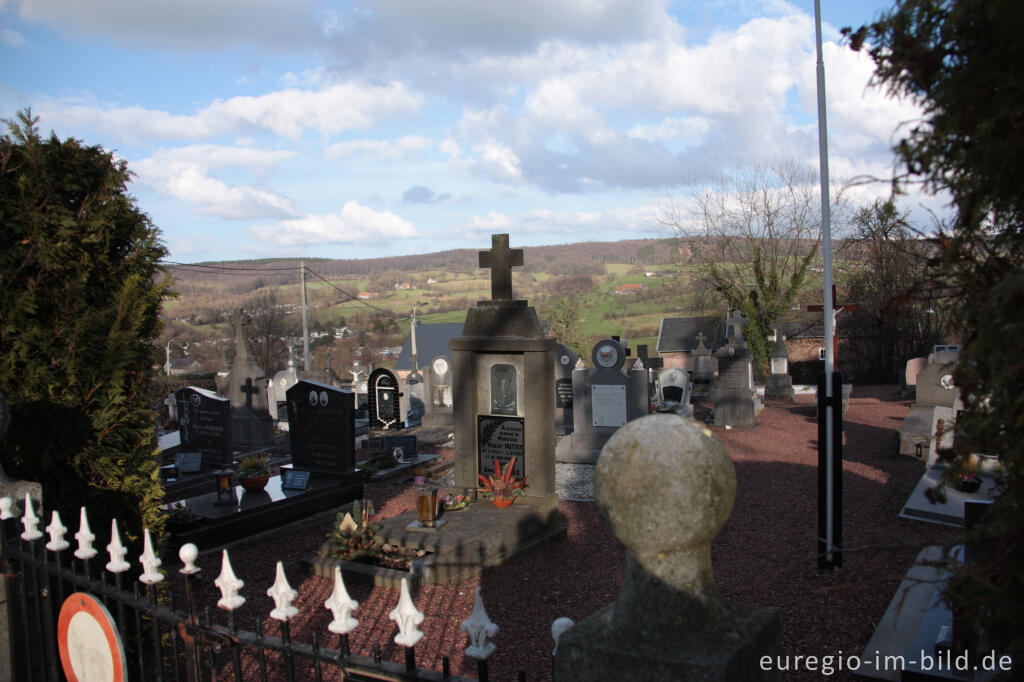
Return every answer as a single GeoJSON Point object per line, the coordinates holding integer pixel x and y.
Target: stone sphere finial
{"type": "Point", "coordinates": [666, 486]}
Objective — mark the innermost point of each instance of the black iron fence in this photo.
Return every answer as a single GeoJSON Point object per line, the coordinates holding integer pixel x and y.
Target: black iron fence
{"type": "Point", "coordinates": [156, 637]}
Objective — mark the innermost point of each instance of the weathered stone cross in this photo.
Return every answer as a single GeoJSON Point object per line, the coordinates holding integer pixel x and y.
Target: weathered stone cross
{"type": "Point", "coordinates": [501, 259]}
{"type": "Point", "coordinates": [701, 338]}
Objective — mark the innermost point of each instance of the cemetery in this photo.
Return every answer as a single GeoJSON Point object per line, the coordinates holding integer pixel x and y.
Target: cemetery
{"type": "Point", "coordinates": [697, 507]}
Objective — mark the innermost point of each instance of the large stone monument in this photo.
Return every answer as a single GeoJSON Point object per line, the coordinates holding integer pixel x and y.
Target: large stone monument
{"type": "Point", "coordinates": [736, 401]}
{"type": "Point", "coordinates": [604, 399]}
{"type": "Point", "coordinates": [246, 389]}
{"type": "Point", "coordinates": [503, 369]}
{"type": "Point", "coordinates": [668, 622]}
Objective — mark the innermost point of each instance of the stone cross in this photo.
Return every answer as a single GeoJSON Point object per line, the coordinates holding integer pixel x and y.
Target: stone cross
{"type": "Point", "coordinates": [701, 338]}
{"type": "Point", "coordinates": [249, 390]}
{"type": "Point", "coordinates": [735, 322]}
{"type": "Point", "coordinates": [501, 259]}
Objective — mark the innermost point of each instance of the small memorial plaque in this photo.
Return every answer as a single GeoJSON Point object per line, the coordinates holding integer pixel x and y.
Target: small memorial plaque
{"type": "Point", "coordinates": [500, 439]}
{"type": "Point", "coordinates": [282, 411]}
{"type": "Point", "coordinates": [407, 443]}
{"type": "Point", "coordinates": [608, 404]}
{"type": "Point", "coordinates": [188, 462]}
{"type": "Point", "coordinates": [291, 479]}
{"type": "Point", "coordinates": [563, 393]}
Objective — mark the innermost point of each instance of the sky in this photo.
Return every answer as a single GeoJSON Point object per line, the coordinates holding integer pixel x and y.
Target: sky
{"type": "Point", "coordinates": [363, 128]}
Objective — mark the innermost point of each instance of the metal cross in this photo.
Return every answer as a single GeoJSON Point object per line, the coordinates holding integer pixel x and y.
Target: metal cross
{"type": "Point", "coordinates": [836, 309]}
{"type": "Point", "coordinates": [501, 259]}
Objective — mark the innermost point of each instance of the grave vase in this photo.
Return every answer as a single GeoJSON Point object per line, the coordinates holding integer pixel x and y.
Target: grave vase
{"type": "Point", "coordinates": [254, 484]}
{"type": "Point", "coordinates": [502, 502]}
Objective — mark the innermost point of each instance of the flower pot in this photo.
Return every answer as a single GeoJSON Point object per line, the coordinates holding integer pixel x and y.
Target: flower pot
{"type": "Point", "coordinates": [502, 502]}
{"type": "Point", "coordinates": [254, 483]}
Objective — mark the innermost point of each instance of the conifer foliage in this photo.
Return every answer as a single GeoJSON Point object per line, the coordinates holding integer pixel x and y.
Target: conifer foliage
{"type": "Point", "coordinates": [961, 62]}
{"type": "Point", "coordinates": [80, 294]}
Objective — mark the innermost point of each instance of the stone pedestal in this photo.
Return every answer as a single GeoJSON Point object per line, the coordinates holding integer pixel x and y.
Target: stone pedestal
{"type": "Point", "coordinates": [668, 622]}
{"type": "Point", "coordinates": [779, 387]}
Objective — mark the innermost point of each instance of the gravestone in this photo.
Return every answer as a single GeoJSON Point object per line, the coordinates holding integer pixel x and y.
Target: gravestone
{"type": "Point", "coordinates": [437, 393]}
{"type": "Point", "coordinates": [385, 401]}
{"type": "Point", "coordinates": [278, 390]}
{"type": "Point", "coordinates": [779, 384]}
{"type": "Point", "coordinates": [703, 368]}
{"type": "Point", "coordinates": [908, 385]}
{"type": "Point", "coordinates": [652, 365]}
{"type": "Point", "coordinates": [673, 391]}
{"type": "Point", "coordinates": [604, 399]}
{"type": "Point", "coordinates": [321, 428]}
{"type": "Point", "coordinates": [736, 402]}
{"type": "Point", "coordinates": [246, 385]}
{"type": "Point", "coordinates": [205, 423]}
{"type": "Point", "coordinates": [565, 361]}
{"type": "Point", "coordinates": [668, 622]}
{"type": "Point", "coordinates": [503, 368]}
{"type": "Point", "coordinates": [935, 385]}
{"type": "Point", "coordinates": [936, 392]}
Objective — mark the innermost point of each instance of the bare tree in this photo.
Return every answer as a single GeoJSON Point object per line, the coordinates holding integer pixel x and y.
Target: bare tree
{"type": "Point", "coordinates": [902, 304]}
{"type": "Point", "coordinates": [762, 229]}
{"type": "Point", "coordinates": [269, 325]}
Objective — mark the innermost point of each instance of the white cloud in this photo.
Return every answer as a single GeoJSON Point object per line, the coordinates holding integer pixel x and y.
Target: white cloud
{"type": "Point", "coordinates": [354, 224]}
{"type": "Point", "coordinates": [290, 113]}
{"type": "Point", "coordinates": [690, 129]}
{"type": "Point", "coordinates": [184, 173]}
{"type": "Point", "coordinates": [387, 149]}
{"type": "Point", "coordinates": [11, 38]}
{"type": "Point", "coordinates": [188, 24]}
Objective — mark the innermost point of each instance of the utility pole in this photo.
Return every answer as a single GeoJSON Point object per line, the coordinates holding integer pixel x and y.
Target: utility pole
{"type": "Point", "coordinates": [305, 318]}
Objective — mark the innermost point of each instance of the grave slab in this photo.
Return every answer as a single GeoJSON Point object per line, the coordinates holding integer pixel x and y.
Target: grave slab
{"type": "Point", "coordinates": [256, 512]}
{"type": "Point", "coordinates": [472, 539]}
{"type": "Point", "coordinates": [950, 512]}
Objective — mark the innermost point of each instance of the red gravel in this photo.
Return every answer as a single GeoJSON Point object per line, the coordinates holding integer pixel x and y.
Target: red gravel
{"type": "Point", "coordinates": [765, 554]}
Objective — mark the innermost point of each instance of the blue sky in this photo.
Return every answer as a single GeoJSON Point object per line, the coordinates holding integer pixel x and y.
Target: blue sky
{"type": "Point", "coordinates": [264, 128]}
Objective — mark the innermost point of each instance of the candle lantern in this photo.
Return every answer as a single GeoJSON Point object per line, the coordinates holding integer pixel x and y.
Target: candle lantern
{"type": "Point", "coordinates": [225, 490]}
{"type": "Point", "coordinates": [426, 506]}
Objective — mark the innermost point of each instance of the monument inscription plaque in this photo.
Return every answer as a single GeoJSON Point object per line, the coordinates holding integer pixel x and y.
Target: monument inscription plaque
{"type": "Point", "coordinates": [563, 393]}
{"type": "Point", "coordinates": [608, 403]}
{"type": "Point", "coordinates": [500, 439]}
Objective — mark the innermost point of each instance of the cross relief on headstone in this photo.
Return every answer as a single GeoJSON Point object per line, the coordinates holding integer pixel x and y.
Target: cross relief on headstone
{"type": "Point", "coordinates": [249, 390]}
{"type": "Point", "coordinates": [501, 259]}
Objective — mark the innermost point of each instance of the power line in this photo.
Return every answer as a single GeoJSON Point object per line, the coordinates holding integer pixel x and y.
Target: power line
{"type": "Point", "coordinates": [354, 298]}
{"type": "Point", "coordinates": [224, 268]}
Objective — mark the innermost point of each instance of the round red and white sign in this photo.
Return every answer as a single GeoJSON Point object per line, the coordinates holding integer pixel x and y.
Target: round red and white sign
{"type": "Point", "coordinates": [90, 645]}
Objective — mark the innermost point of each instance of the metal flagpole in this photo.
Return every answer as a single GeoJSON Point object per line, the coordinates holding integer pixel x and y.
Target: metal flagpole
{"type": "Point", "coordinates": [826, 249]}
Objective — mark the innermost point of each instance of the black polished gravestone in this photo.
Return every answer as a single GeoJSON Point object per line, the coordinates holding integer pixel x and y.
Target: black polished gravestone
{"type": "Point", "coordinates": [205, 420]}
{"type": "Point", "coordinates": [321, 428]}
{"type": "Point", "coordinates": [565, 363]}
{"type": "Point", "coordinates": [384, 401]}
{"type": "Point", "coordinates": [499, 439]}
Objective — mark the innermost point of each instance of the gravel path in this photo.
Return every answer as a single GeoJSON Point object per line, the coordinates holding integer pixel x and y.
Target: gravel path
{"type": "Point", "coordinates": [764, 554]}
